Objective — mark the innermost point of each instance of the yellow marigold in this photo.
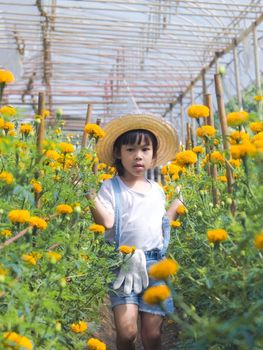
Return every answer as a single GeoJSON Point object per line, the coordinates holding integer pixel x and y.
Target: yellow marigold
{"type": "Point", "coordinates": [3, 270]}
{"type": "Point", "coordinates": [66, 147]}
{"type": "Point", "coordinates": [103, 177]}
{"type": "Point", "coordinates": [19, 216]}
{"type": "Point", "coordinates": [102, 166]}
{"type": "Point", "coordinates": [125, 249]}
{"type": "Point", "coordinates": [6, 76]}
{"type": "Point", "coordinates": [8, 126]}
{"type": "Point", "coordinates": [37, 222]}
{"type": "Point", "coordinates": [217, 157]}
{"type": "Point", "coordinates": [238, 137]}
{"type": "Point", "coordinates": [237, 118]}
{"type": "Point", "coordinates": [37, 186]}
{"type": "Point", "coordinates": [94, 130]}
{"type": "Point", "coordinates": [171, 169]}
{"type": "Point", "coordinates": [2, 123]}
{"type": "Point", "coordinates": [198, 149]}
{"type": "Point", "coordinates": [11, 338]}
{"type": "Point", "coordinates": [11, 133]}
{"type": "Point", "coordinates": [79, 327]}
{"type": "Point", "coordinates": [29, 258]}
{"type": "Point", "coordinates": [258, 136]}
{"type": "Point", "coordinates": [186, 158]}
{"type": "Point", "coordinates": [175, 223]}
{"type": "Point", "coordinates": [5, 233]}
{"type": "Point", "coordinates": [222, 178]}
{"type": "Point", "coordinates": [64, 209]}
{"type": "Point", "coordinates": [8, 110]}
{"type": "Point", "coordinates": [259, 241]}
{"type": "Point", "coordinates": [217, 235]}
{"type": "Point", "coordinates": [258, 98]}
{"type": "Point", "coordinates": [256, 127]}
{"type": "Point", "coordinates": [163, 269]}
{"type": "Point", "coordinates": [198, 111]}
{"type": "Point", "coordinates": [242, 150]}
{"type": "Point", "coordinates": [51, 154]}
{"type": "Point", "coordinates": [6, 177]}
{"type": "Point", "coordinates": [95, 344]}
{"type": "Point", "coordinates": [54, 256]}
{"type": "Point", "coordinates": [156, 294]}
{"type": "Point", "coordinates": [205, 131]}
{"type": "Point", "coordinates": [259, 145]}
{"type": "Point", "coordinates": [26, 129]}
{"type": "Point", "coordinates": [181, 210]}
{"type": "Point", "coordinates": [46, 113]}
{"type": "Point", "coordinates": [236, 163]}
{"type": "Point", "coordinates": [96, 228]}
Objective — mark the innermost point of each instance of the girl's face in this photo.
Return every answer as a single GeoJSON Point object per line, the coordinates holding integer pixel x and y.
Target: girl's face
{"type": "Point", "coordinates": [137, 158]}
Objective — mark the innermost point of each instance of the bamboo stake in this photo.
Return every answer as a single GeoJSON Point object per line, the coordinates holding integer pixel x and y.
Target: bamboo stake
{"type": "Point", "coordinates": [13, 239]}
{"type": "Point", "coordinates": [223, 123]}
{"type": "Point", "coordinates": [237, 77]}
{"type": "Point", "coordinates": [41, 128]}
{"type": "Point", "coordinates": [213, 169]}
{"type": "Point", "coordinates": [87, 121]}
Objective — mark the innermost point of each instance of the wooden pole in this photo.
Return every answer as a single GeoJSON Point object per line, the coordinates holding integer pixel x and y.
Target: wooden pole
{"type": "Point", "coordinates": [188, 144]}
{"type": "Point", "coordinates": [182, 121]}
{"type": "Point", "coordinates": [87, 121]}
{"type": "Point", "coordinates": [257, 66]}
{"type": "Point", "coordinates": [204, 85]}
{"type": "Point", "coordinates": [213, 169]}
{"type": "Point", "coordinates": [41, 128]}
{"type": "Point", "coordinates": [223, 123]}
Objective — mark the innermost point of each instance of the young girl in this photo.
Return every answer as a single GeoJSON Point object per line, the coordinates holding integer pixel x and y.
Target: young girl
{"type": "Point", "coordinates": [132, 209]}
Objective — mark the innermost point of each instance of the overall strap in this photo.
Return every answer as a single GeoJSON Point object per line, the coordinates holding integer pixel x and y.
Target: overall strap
{"type": "Point", "coordinates": [166, 233]}
{"type": "Point", "coordinates": [117, 211]}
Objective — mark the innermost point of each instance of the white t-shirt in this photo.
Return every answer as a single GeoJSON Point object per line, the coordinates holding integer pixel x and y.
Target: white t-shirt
{"type": "Point", "coordinates": [142, 215]}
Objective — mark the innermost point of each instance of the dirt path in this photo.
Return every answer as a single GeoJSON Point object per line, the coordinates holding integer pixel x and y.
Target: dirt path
{"type": "Point", "coordinates": [106, 332]}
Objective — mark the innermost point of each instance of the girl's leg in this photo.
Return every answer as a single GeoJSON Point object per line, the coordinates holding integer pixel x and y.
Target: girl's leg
{"type": "Point", "coordinates": [125, 317]}
{"type": "Point", "coordinates": [151, 331]}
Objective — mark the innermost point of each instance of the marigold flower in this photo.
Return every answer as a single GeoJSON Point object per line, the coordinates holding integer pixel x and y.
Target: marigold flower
{"type": "Point", "coordinates": [6, 233]}
{"type": "Point", "coordinates": [95, 344]}
{"type": "Point", "coordinates": [217, 235]}
{"type": "Point", "coordinates": [222, 178]}
{"type": "Point", "coordinates": [19, 216]}
{"type": "Point", "coordinates": [163, 269]}
{"type": "Point", "coordinates": [37, 222]}
{"type": "Point", "coordinates": [258, 98]}
{"type": "Point", "coordinates": [186, 158]}
{"type": "Point", "coordinates": [238, 137]}
{"type": "Point", "coordinates": [96, 228]}
{"type": "Point", "coordinates": [3, 270]}
{"type": "Point", "coordinates": [6, 76]}
{"type": "Point", "coordinates": [11, 133]}
{"type": "Point", "coordinates": [198, 149]}
{"type": "Point", "coordinates": [259, 145]}
{"type": "Point", "coordinates": [256, 127]}
{"type": "Point", "coordinates": [175, 223]}
{"type": "Point", "coordinates": [66, 147]}
{"type": "Point", "coordinates": [54, 256]}
{"type": "Point", "coordinates": [8, 126]}
{"type": "Point", "coordinates": [242, 150]}
{"type": "Point", "coordinates": [181, 210]}
{"type": "Point", "coordinates": [79, 327]}
{"type": "Point", "coordinates": [26, 129]}
{"type": "Point", "coordinates": [64, 209]}
{"type": "Point", "coordinates": [125, 249]}
{"type": "Point", "coordinates": [236, 163]}
{"type": "Point", "coordinates": [217, 157]}
{"type": "Point", "coordinates": [198, 111]}
{"type": "Point", "coordinates": [156, 294]}
{"type": "Point", "coordinates": [94, 130]}
{"type": "Point", "coordinates": [2, 123]}
{"type": "Point", "coordinates": [51, 154]}
{"type": "Point", "coordinates": [8, 110]}
{"type": "Point", "coordinates": [205, 131]}
{"type": "Point", "coordinates": [37, 186]}
{"type": "Point", "coordinates": [103, 177]}
{"type": "Point", "coordinates": [12, 337]}
{"type": "Point", "coordinates": [171, 169]}
{"type": "Point", "coordinates": [29, 258]}
{"type": "Point", "coordinates": [259, 241]}
{"type": "Point", "coordinates": [6, 177]}
{"type": "Point", "coordinates": [102, 166]}
{"type": "Point", "coordinates": [237, 118]}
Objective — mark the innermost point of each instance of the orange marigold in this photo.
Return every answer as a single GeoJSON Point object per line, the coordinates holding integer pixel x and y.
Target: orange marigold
{"type": "Point", "coordinates": [181, 210]}
{"type": "Point", "coordinates": [156, 294]}
{"type": "Point", "coordinates": [96, 228]}
{"type": "Point", "coordinates": [198, 149]}
{"type": "Point", "coordinates": [19, 216]}
{"type": "Point", "coordinates": [237, 118]}
{"type": "Point", "coordinates": [79, 327]}
{"type": "Point", "coordinates": [259, 241]}
{"type": "Point", "coordinates": [37, 222]}
{"type": "Point", "coordinates": [8, 110]}
{"type": "Point", "coordinates": [125, 249]}
{"type": "Point", "coordinates": [26, 129]}
{"type": "Point", "coordinates": [256, 127]}
{"type": "Point", "coordinates": [95, 344]}
{"type": "Point", "coordinates": [198, 111]}
{"type": "Point", "coordinates": [217, 235]}
{"type": "Point", "coordinates": [64, 209]}
{"type": "Point", "coordinates": [205, 131]}
{"type": "Point", "coordinates": [163, 269]}
{"type": "Point", "coordinates": [6, 76]}
{"type": "Point", "coordinates": [186, 158]}
{"type": "Point", "coordinates": [5, 233]}
{"type": "Point", "coordinates": [175, 223]}
{"type": "Point", "coordinates": [11, 338]}
{"type": "Point", "coordinates": [6, 177]}
{"type": "Point", "coordinates": [66, 147]}
{"type": "Point", "coordinates": [94, 130]}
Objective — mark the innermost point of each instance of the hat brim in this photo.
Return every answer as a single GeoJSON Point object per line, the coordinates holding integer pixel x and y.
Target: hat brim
{"type": "Point", "coordinates": [168, 143]}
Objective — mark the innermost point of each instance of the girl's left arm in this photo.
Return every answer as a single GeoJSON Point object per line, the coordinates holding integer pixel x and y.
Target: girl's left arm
{"type": "Point", "coordinates": [171, 211]}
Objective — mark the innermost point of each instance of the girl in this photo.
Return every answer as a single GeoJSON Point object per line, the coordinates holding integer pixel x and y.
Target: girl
{"type": "Point", "coordinates": [132, 209]}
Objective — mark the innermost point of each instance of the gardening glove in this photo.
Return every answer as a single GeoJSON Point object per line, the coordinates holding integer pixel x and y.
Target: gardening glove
{"type": "Point", "coordinates": [133, 273]}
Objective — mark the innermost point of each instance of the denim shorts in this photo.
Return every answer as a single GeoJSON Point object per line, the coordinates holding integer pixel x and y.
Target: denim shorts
{"type": "Point", "coordinates": [118, 297]}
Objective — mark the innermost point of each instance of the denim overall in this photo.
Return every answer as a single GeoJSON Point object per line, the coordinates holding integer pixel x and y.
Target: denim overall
{"type": "Point", "coordinates": [152, 257]}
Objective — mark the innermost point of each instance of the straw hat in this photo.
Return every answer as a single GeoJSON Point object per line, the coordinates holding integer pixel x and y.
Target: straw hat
{"type": "Point", "coordinates": [167, 138]}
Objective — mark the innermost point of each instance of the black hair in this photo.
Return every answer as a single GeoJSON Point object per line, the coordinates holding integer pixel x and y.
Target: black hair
{"type": "Point", "coordinates": [133, 137]}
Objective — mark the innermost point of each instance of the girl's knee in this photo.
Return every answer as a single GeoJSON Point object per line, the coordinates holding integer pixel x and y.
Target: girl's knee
{"type": "Point", "coordinates": [128, 334]}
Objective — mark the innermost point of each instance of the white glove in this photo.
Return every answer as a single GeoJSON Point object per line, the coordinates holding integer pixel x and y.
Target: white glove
{"type": "Point", "coordinates": [133, 273]}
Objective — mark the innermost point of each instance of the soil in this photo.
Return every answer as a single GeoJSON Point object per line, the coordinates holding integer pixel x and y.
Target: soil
{"type": "Point", "coordinates": [106, 331]}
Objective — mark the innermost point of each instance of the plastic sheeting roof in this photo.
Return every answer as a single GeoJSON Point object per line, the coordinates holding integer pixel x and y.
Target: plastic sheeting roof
{"type": "Point", "coordinates": [122, 55]}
